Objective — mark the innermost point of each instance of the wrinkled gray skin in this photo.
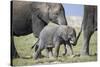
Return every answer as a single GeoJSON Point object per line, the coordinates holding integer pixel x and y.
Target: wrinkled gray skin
{"type": "Point", "coordinates": [30, 17]}
{"type": "Point", "coordinates": [54, 35]}
{"type": "Point", "coordinates": [88, 27]}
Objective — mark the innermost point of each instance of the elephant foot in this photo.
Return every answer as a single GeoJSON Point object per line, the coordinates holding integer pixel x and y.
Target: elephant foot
{"type": "Point", "coordinates": [84, 54]}
{"type": "Point", "coordinates": [37, 57]}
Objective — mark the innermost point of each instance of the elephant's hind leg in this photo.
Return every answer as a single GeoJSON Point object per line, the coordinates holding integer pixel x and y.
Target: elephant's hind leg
{"type": "Point", "coordinates": [49, 52]}
{"type": "Point", "coordinates": [37, 53]}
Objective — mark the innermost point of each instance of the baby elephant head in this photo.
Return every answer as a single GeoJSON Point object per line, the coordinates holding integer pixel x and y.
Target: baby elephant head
{"type": "Point", "coordinates": [69, 35]}
{"type": "Point", "coordinates": [72, 36]}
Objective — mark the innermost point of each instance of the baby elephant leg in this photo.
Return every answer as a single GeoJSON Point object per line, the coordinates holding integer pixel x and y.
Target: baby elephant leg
{"type": "Point", "coordinates": [38, 52]}
{"type": "Point", "coordinates": [65, 50]}
{"type": "Point", "coordinates": [36, 55]}
{"type": "Point", "coordinates": [56, 51]}
{"type": "Point", "coordinates": [49, 52]}
{"type": "Point", "coordinates": [70, 46]}
{"type": "Point", "coordinates": [36, 48]}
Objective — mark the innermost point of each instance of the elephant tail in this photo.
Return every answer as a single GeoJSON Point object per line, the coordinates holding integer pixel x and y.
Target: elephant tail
{"type": "Point", "coordinates": [34, 44]}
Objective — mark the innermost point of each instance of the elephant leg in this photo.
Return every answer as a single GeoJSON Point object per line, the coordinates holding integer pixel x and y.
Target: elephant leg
{"type": "Point", "coordinates": [39, 49]}
{"type": "Point", "coordinates": [85, 46]}
{"type": "Point", "coordinates": [37, 53]}
{"type": "Point", "coordinates": [14, 53]}
{"type": "Point", "coordinates": [49, 52]}
{"type": "Point", "coordinates": [70, 46]}
{"type": "Point", "coordinates": [56, 52]}
{"type": "Point", "coordinates": [65, 50]}
{"type": "Point", "coordinates": [36, 48]}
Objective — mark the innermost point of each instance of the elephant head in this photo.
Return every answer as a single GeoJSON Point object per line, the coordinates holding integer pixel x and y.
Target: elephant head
{"type": "Point", "coordinates": [68, 34]}
{"type": "Point", "coordinates": [43, 13]}
{"type": "Point", "coordinates": [57, 14]}
{"type": "Point", "coordinates": [72, 37]}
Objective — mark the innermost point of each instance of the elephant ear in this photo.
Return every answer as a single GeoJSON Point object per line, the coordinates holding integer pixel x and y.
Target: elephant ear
{"type": "Point", "coordinates": [37, 25]}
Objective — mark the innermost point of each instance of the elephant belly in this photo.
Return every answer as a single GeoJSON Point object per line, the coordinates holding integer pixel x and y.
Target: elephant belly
{"type": "Point", "coordinates": [22, 33]}
{"type": "Point", "coordinates": [21, 29]}
{"type": "Point", "coordinates": [48, 41]}
{"type": "Point", "coordinates": [49, 44]}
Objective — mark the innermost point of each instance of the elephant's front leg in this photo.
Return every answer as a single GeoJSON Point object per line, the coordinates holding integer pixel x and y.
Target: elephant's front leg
{"type": "Point", "coordinates": [49, 52]}
{"type": "Point", "coordinates": [85, 46]}
{"type": "Point", "coordinates": [70, 46]}
{"type": "Point", "coordinates": [56, 52]}
{"type": "Point", "coordinates": [38, 53]}
{"type": "Point", "coordinates": [65, 50]}
{"type": "Point", "coordinates": [36, 48]}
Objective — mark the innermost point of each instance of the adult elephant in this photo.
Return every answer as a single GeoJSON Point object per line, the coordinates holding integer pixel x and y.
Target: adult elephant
{"type": "Point", "coordinates": [88, 27]}
{"type": "Point", "coordinates": [31, 17]}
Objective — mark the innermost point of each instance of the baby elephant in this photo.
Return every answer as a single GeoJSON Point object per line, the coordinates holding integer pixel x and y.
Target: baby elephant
{"type": "Point", "coordinates": [52, 36]}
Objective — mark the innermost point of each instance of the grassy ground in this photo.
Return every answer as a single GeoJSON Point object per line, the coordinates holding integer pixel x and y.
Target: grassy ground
{"type": "Point", "coordinates": [24, 43]}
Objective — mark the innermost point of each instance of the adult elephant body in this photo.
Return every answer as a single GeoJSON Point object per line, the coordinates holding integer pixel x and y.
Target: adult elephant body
{"type": "Point", "coordinates": [31, 17]}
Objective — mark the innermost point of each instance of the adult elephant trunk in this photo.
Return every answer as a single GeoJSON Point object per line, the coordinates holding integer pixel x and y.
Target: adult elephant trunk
{"type": "Point", "coordinates": [77, 36]}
